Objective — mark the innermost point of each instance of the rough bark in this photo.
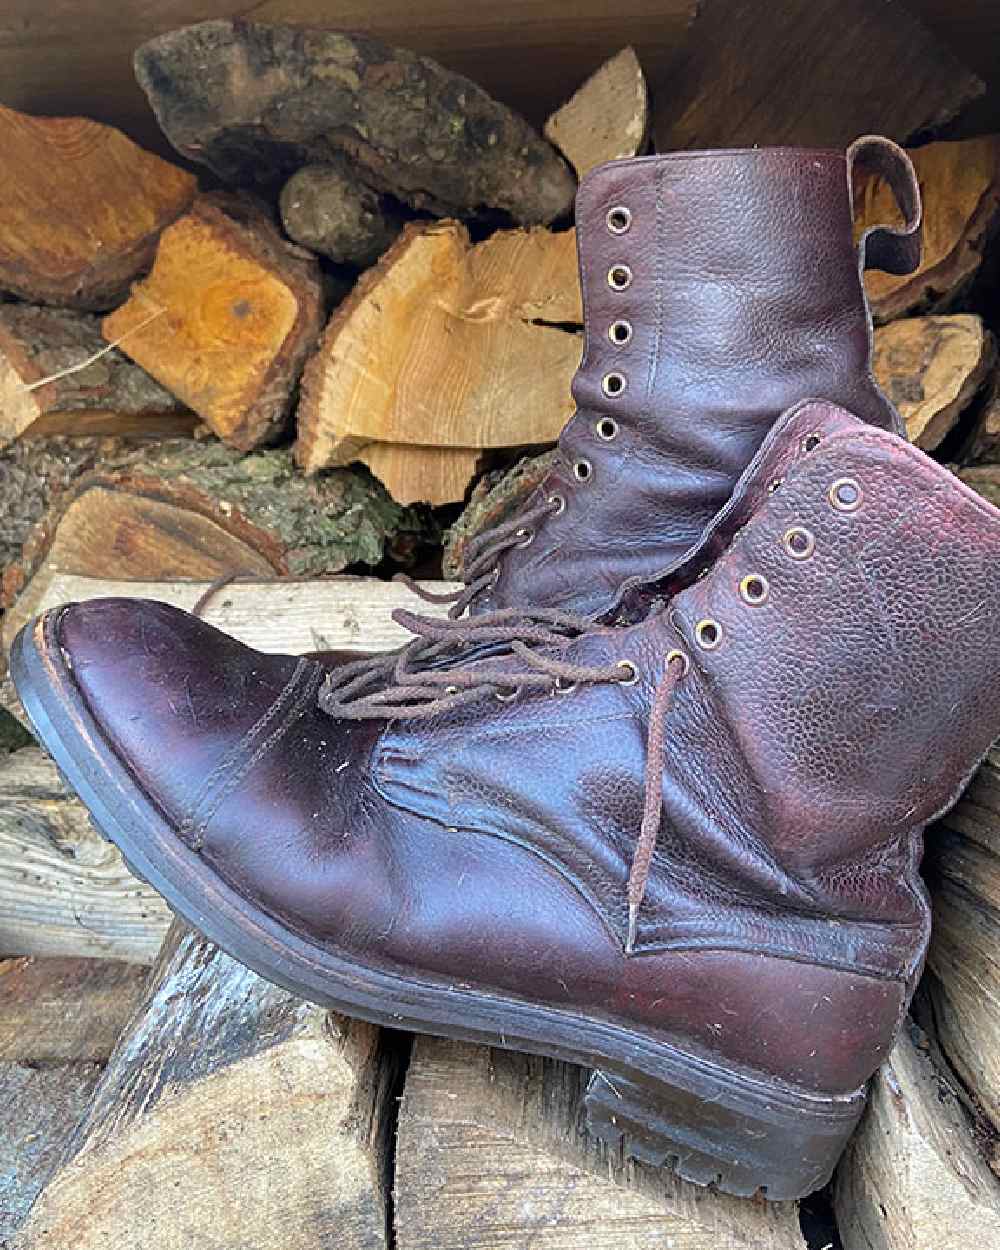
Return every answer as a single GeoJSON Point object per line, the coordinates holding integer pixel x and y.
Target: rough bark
{"type": "Point", "coordinates": [491, 1151]}
{"type": "Point", "coordinates": [83, 208]}
{"type": "Point", "coordinates": [111, 396]}
{"type": "Point", "coordinates": [445, 344]}
{"type": "Point", "coordinates": [607, 118]}
{"type": "Point", "coordinates": [913, 1176]}
{"type": "Point", "coordinates": [960, 185]}
{"type": "Point", "coordinates": [932, 368]}
{"type": "Point", "coordinates": [326, 208]}
{"type": "Point", "coordinates": [255, 102]}
{"type": "Point", "coordinates": [233, 1115]}
{"type": "Point", "coordinates": [226, 318]}
{"type": "Point", "coordinates": [817, 73]}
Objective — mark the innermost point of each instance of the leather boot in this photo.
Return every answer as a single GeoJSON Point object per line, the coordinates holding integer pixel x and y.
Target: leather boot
{"type": "Point", "coordinates": [681, 850]}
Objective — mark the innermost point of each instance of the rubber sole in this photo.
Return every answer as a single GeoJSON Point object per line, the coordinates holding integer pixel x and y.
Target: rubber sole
{"type": "Point", "coordinates": [738, 1131]}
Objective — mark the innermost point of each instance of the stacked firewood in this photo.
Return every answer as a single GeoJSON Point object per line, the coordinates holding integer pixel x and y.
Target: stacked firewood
{"type": "Point", "coordinates": [368, 311]}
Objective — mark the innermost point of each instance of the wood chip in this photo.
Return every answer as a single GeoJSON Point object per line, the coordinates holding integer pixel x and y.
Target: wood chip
{"type": "Point", "coordinates": [607, 118]}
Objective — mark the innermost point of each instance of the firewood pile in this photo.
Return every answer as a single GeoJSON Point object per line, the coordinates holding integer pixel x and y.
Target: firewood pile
{"type": "Point", "coordinates": [336, 337]}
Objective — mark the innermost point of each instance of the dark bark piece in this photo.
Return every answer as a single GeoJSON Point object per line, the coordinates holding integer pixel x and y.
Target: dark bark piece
{"type": "Point", "coordinates": [233, 1115]}
{"type": "Point", "coordinates": [256, 102]}
{"type": "Point", "coordinates": [83, 207]}
{"type": "Point", "coordinates": [40, 1108]}
{"type": "Point", "coordinates": [111, 394]}
{"type": "Point", "coordinates": [65, 1010]}
{"type": "Point", "coordinates": [817, 73]}
{"type": "Point", "coordinates": [326, 208]}
{"type": "Point", "coordinates": [226, 318]}
{"type": "Point", "coordinates": [983, 444]}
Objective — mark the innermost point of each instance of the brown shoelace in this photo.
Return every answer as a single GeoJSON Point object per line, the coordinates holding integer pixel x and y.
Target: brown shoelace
{"type": "Point", "coordinates": [428, 677]}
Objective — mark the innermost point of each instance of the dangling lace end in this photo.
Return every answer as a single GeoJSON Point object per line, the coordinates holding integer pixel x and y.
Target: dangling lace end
{"type": "Point", "coordinates": [633, 925]}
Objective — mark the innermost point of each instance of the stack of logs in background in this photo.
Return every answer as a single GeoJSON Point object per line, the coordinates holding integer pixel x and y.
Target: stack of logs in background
{"type": "Point", "coordinates": [345, 319]}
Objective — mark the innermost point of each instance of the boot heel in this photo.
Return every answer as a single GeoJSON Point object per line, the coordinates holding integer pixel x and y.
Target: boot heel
{"type": "Point", "coordinates": [719, 1129]}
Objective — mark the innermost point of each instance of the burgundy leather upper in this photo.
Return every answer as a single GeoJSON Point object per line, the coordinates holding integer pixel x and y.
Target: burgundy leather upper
{"type": "Point", "coordinates": [784, 921]}
{"type": "Point", "coordinates": [743, 296]}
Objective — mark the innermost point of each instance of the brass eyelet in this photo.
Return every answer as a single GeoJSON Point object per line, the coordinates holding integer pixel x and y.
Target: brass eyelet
{"type": "Point", "coordinates": [708, 633]}
{"type": "Point", "coordinates": [775, 484]}
{"type": "Point", "coordinates": [811, 442]}
{"type": "Point", "coordinates": [618, 219]}
{"type": "Point", "coordinates": [451, 690]}
{"type": "Point", "coordinates": [564, 687]}
{"type": "Point", "coordinates": [675, 653]}
{"type": "Point", "coordinates": [613, 384]}
{"type": "Point", "coordinates": [583, 470]}
{"type": "Point", "coordinates": [799, 542]}
{"type": "Point", "coordinates": [620, 332]}
{"type": "Point", "coordinates": [558, 504]}
{"type": "Point", "coordinates": [607, 428]}
{"type": "Point", "coordinates": [619, 277]}
{"type": "Point", "coordinates": [845, 494]}
{"type": "Point", "coordinates": [754, 589]}
{"type": "Point", "coordinates": [506, 696]}
{"type": "Point", "coordinates": [631, 671]}
{"type": "Point", "coordinates": [527, 537]}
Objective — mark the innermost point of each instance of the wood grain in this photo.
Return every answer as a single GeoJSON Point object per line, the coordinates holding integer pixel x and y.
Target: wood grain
{"type": "Point", "coordinates": [434, 475]}
{"type": "Point", "coordinates": [607, 118]}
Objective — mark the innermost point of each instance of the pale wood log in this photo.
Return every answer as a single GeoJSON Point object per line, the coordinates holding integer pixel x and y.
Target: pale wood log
{"type": "Point", "coordinates": [445, 344]}
{"type": "Point", "coordinates": [83, 208]}
{"type": "Point", "coordinates": [491, 1152]}
{"type": "Point", "coordinates": [913, 1177]}
{"type": "Point", "coordinates": [64, 891]}
{"type": "Point", "coordinates": [65, 1010]}
{"type": "Point", "coordinates": [960, 187]}
{"type": "Point", "coordinates": [607, 118]}
{"type": "Point", "coordinates": [932, 368]}
{"type": "Point", "coordinates": [225, 318]}
{"type": "Point", "coordinates": [231, 1115]}
{"type": "Point", "coordinates": [434, 475]}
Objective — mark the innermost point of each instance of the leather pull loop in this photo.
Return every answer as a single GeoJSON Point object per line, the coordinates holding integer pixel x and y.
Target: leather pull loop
{"type": "Point", "coordinates": [893, 249]}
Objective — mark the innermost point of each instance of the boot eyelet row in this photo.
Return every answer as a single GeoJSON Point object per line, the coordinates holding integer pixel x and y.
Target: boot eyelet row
{"type": "Point", "coordinates": [619, 277]}
{"type": "Point", "coordinates": [630, 671]}
{"type": "Point", "coordinates": [618, 219]}
{"type": "Point", "coordinates": [620, 332]}
{"type": "Point", "coordinates": [613, 384]}
{"type": "Point", "coordinates": [799, 542]}
{"type": "Point", "coordinates": [527, 537]}
{"type": "Point", "coordinates": [708, 633]}
{"type": "Point", "coordinates": [583, 470]}
{"type": "Point", "coordinates": [607, 428]}
{"type": "Point", "coordinates": [845, 495]}
{"type": "Point", "coordinates": [754, 589]}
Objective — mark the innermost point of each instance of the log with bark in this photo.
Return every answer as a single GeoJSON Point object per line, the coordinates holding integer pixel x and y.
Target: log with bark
{"type": "Point", "coordinates": [815, 73]}
{"type": "Point", "coordinates": [43, 390]}
{"type": "Point", "coordinates": [960, 187]}
{"type": "Point", "coordinates": [327, 209]}
{"type": "Point", "coordinates": [983, 444]}
{"type": "Point", "coordinates": [280, 97]}
{"type": "Point", "coordinates": [231, 1114]}
{"type": "Point", "coordinates": [82, 209]}
{"type": "Point", "coordinates": [932, 368]}
{"type": "Point", "coordinates": [491, 1151]}
{"type": "Point", "coordinates": [226, 318]}
{"type": "Point", "coordinates": [607, 119]}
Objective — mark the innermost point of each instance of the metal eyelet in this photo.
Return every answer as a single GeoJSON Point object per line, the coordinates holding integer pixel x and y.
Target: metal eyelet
{"type": "Point", "coordinates": [754, 589]}
{"type": "Point", "coordinates": [494, 576]}
{"type": "Point", "coordinates": [620, 332]}
{"type": "Point", "coordinates": [676, 654]}
{"type": "Point", "coordinates": [775, 484]}
{"type": "Point", "coordinates": [708, 633]}
{"type": "Point", "coordinates": [506, 697]}
{"type": "Point", "coordinates": [607, 428]}
{"type": "Point", "coordinates": [811, 442]}
{"type": "Point", "coordinates": [562, 686]}
{"type": "Point", "coordinates": [451, 690]}
{"type": "Point", "coordinates": [527, 537]}
{"type": "Point", "coordinates": [618, 219]}
{"type": "Point", "coordinates": [799, 542]}
{"type": "Point", "coordinates": [631, 670]}
{"type": "Point", "coordinates": [558, 504]}
{"type": "Point", "coordinates": [583, 470]}
{"type": "Point", "coordinates": [845, 494]}
{"type": "Point", "coordinates": [619, 277]}
{"type": "Point", "coordinates": [613, 384]}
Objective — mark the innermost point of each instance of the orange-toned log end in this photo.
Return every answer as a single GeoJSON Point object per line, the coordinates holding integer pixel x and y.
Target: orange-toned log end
{"type": "Point", "coordinates": [83, 207]}
{"type": "Point", "coordinates": [435, 475]}
{"type": "Point", "coordinates": [225, 319]}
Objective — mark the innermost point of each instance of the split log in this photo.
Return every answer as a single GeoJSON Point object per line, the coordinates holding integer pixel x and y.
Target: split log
{"type": "Point", "coordinates": [65, 1010]}
{"type": "Point", "coordinates": [984, 440]}
{"type": "Point", "coordinates": [231, 1114]}
{"type": "Point", "coordinates": [64, 891]}
{"type": "Point", "coordinates": [816, 73]}
{"type": "Point", "coordinates": [199, 510]}
{"type": "Point", "coordinates": [83, 208]}
{"type": "Point", "coordinates": [607, 118]}
{"type": "Point", "coordinates": [110, 396]}
{"type": "Point", "coordinates": [932, 368]}
{"type": "Point", "coordinates": [491, 1151]}
{"type": "Point", "coordinates": [963, 872]}
{"type": "Point", "coordinates": [913, 1176]}
{"type": "Point", "coordinates": [434, 475]}
{"type": "Point", "coordinates": [326, 208]}
{"type": "Point", "coordinates": [280, 97]}
{"type": "Point", "coordinates": [226, 318]}
{"type": "Point", "coordinates": [960, 186]}
{"type": "Point", "coordinates": [445, 344]}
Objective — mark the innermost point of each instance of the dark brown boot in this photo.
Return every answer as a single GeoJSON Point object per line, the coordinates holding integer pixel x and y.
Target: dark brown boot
{"type": "Point", "coordinates": [682, 850]}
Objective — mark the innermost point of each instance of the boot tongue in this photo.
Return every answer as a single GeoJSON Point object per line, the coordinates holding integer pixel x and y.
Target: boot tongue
{"type": "Point", "coordinates": [795, 434]}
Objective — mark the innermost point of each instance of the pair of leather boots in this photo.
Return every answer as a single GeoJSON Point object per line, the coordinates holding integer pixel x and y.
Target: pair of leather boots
{"type": "Point", "coordinates": [653, 799]}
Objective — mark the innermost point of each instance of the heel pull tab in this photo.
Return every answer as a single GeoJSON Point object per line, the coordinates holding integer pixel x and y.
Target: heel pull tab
{"type": "Point", "coordinates": [893, 249]}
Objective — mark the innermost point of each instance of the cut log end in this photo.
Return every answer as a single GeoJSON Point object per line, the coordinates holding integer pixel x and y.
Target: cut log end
{"type": "Point", "coordinates": [325, 208]}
